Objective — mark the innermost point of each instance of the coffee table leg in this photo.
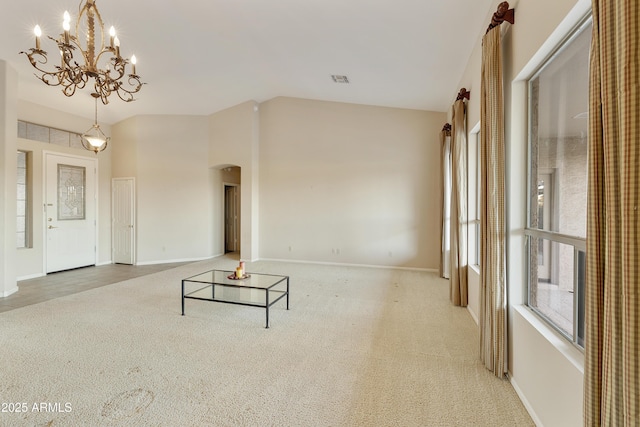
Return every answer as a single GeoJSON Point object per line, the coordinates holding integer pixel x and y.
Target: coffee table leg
{"type": "Point", "coordinates": [287, 293]}
{"type": "Point", "coordinates": [267, 306]}
{"type": "Point", "coordinates": [183, 297]}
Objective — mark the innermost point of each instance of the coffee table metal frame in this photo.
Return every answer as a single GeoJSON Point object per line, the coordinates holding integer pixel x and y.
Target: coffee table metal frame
{"type": "Point", "coordinates": [214, 278]}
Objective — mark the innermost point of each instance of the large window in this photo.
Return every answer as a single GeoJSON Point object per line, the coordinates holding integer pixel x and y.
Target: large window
{"type": "Point", "coordinates": [557, 199]}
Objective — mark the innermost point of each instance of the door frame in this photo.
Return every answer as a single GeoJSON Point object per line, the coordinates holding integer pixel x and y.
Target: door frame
{"type": "Point", "coordinates": [134, 241]}
{"type": "Point", "coordinates": [45, 154]}
{"type": "Point", "coordinates": [224, 216]}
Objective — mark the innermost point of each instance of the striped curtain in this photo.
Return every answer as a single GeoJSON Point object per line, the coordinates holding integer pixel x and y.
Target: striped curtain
{"type": "Point", "coordinates": [493, 297]}
{"type": "Point", "coordinates": [612, 346]}
{"type": "Point", "coordinates": [458, 281]}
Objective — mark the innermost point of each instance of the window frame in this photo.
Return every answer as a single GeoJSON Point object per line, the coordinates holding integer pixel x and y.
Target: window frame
{"type": "Point", "coordinates": [578, 243]}
{"type": "Point", "coordinates": [473, 224]}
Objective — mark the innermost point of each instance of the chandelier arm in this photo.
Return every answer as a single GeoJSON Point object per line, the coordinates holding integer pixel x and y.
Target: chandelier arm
{"type": "Point", "coordinates": [118, 65]}
{"type": "Point", "coordinates": [105, 51]}
{"type": "Point", "coordinates": [75, 76]}
{"type": "Point", "coordinates": [102, 91]}
{"type": "Point", "coordinates": [127, 94]}
{"type": "Point", "coordinates": [69, 90]}
{"type": "Point", "coordinates": [53, 78]}
{"type": "Point", "coordinates": [32, 54]}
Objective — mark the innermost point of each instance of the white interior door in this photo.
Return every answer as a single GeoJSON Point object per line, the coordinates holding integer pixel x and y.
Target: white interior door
{"type": "Point", "coordinates": [123, 220]}
{"type": "Point", "coordinates": [70, 212]}
{"type": "Point", "coordinates": [231, 218]}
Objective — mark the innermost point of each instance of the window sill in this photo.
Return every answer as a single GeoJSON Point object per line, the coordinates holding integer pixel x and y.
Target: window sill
{"type": "Point", "coordinates": [566, 348]}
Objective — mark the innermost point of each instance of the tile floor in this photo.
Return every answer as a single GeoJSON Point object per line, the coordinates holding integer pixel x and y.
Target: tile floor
{"type": "Point", "coordinates": [55, 285]}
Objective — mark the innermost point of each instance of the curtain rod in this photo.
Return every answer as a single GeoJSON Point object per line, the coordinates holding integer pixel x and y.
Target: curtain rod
{"type": "Point", "coordinates": [502, 14]}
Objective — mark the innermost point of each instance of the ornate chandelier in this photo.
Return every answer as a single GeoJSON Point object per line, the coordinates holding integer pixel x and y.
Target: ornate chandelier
{"type": "Point", "coordinates": [95, 60]}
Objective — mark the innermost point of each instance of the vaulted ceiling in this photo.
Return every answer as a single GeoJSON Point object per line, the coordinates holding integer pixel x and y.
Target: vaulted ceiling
{"type": "Point", "coordinates": [201, 56]}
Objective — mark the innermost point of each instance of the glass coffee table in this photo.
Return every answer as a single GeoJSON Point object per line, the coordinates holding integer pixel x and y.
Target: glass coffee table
{"type": "Point", "coordinates": [257, 290]}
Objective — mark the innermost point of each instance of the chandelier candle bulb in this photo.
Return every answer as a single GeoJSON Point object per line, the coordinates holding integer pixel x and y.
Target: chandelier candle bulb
{"type": "Point", "coordinates": [38, 32]}
{"type": "Point", "coordinates": [112, 34]}
{"type": "Point", "coordinates": [116, 42]}
{"type": "Point", "coordinates": [133, 63]}
{"type": "Point", "coordinates": [66, 25]}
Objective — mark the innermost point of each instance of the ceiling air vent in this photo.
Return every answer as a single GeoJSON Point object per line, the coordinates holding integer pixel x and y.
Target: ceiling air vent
{"type": "Point", "coordinates": [339, 79]}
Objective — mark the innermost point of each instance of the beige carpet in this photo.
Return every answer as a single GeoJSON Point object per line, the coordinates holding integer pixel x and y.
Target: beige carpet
{"type": "Point", "coordinates": [359, 347]}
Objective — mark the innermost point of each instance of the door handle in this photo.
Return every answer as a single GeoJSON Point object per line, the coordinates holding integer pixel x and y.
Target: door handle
{"type": "Point", "coordinates": [51, 226]}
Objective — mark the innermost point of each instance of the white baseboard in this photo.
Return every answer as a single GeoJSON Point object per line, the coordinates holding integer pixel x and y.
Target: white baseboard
{"type": "Point", "coordinates": [525, 402]}
{"type": "Point", "coordinates": [9, 292]}
{"type": "Point", "coordinates": [340, 264]}
{"type": "Point", "coordinates": [30, 276]}
{"type": "Point", "coordinates": [473, 315]}
{"type": "Point", "coordinates": [169, 261]}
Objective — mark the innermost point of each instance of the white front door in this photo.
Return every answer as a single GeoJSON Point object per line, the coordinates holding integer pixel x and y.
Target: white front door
{"type": "Point", "coordinates": [70, 212]}
{"type": "Point", "coordinates": [123, 217]}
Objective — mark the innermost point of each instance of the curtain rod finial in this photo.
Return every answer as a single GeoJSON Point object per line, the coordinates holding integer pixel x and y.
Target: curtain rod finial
{"type": "Point", "coordinates": [502, 14]}
{"type": "Point", "coordinates": [464, 93]}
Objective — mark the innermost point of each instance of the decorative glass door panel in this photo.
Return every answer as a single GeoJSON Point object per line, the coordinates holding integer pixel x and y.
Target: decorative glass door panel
{"type": "Point", "coordinates": [71, 193]}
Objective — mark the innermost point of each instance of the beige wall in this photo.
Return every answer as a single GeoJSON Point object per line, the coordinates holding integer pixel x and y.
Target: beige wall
{"type": "Point", "coordinates": [375, 168]}
{"type": "Point", "coordinates": [174, 185]}
{"type": "Point", "coordinates": [545, 370]}
{"type": "Point", "coordinates": [8, 177]}
{"type": "Point", "coordinates": [234, 141]}
{"type": "Point", "coordinates": [124, 147]}
{"type": "Point", "coordinates": [349, 183]}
